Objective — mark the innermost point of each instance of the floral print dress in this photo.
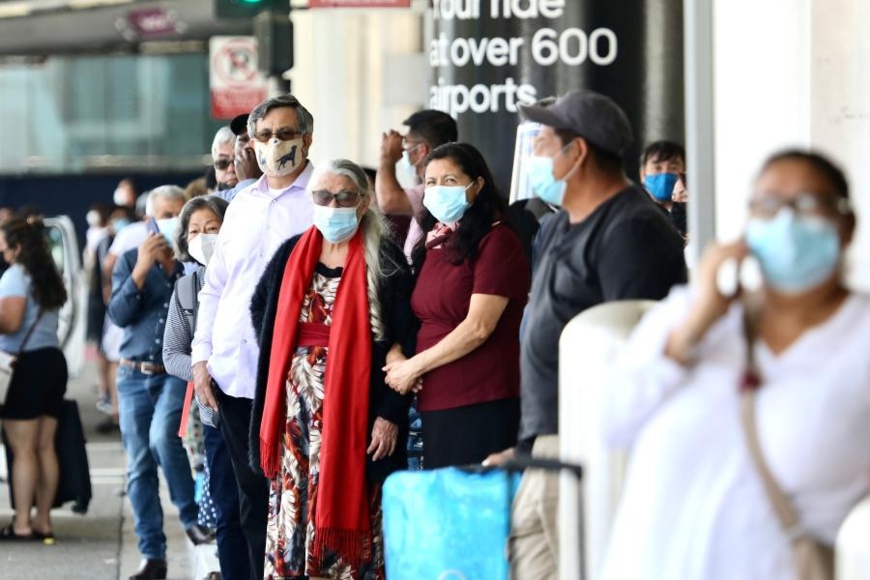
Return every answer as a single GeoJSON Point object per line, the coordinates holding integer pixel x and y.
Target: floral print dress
{"type": "Point", "coordinates": [293, 493]}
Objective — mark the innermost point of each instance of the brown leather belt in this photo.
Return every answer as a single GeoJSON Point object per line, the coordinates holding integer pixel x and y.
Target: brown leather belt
{"type": "Point", "coordinates": [146, 368]}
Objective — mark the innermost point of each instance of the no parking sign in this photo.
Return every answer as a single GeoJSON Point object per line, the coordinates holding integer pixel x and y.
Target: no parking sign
{"type": "Point", "coordinates": [235, 83]}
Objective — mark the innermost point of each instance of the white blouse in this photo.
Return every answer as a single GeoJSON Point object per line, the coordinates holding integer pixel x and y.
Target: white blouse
{"type": "Point", "coordinates": [693, 506]}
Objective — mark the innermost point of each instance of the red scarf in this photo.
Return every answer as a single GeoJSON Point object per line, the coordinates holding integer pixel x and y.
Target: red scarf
{"type": "Point", "coordinates": [438, 235]}
{"type": "Point", "coordinates": [342, 517]}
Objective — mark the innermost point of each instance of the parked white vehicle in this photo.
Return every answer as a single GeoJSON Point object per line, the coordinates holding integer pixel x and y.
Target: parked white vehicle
{"type": "Point", "coordinates": [72, 325]}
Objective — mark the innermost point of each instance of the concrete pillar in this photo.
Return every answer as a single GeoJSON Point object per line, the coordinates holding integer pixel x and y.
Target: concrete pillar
{"type": "Point", "coordinates": [359, 72]}
{"type": "Point", "coordinates": [792, 74]}
{"type": "Point", "coordinates": [840, 109]}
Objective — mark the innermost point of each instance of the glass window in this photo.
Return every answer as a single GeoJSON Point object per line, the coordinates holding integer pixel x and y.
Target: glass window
{"type": "Point", "coordinates": [75, 114]}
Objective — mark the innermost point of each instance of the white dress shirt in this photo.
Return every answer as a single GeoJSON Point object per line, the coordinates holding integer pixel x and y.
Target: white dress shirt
{"type": "Point", "coordinates": [257, 222]}
{"type": "Point", "coordinates": [693, 506]}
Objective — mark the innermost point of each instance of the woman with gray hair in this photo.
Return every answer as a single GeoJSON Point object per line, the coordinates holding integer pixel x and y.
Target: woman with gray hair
{"type": "Point", "coordinates": [332, 309]}
{"type": "Point", "coordinates": [199, 223]}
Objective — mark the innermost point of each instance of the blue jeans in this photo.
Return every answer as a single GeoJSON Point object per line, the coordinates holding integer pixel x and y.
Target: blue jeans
{"type": "Point", "coordinates": [231, 543]}
{"type": "Point", "coordinates": [150, 411]}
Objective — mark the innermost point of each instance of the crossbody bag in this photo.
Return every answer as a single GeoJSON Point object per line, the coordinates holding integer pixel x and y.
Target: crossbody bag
{"type": "Point", "coordinates": [813, 560]}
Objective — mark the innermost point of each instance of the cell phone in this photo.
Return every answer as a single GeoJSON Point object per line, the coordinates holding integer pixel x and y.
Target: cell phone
{"type": "Point", "coordinates": [151, 224]}
{"type": "Point", "coordinates": [735, 277]}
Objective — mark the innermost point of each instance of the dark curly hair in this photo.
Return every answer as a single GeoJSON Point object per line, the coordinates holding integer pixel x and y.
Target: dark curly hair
{"type": "Point", "coordinates": [27, 233]}
{"type": "Point", "coordinates": [488, 207]}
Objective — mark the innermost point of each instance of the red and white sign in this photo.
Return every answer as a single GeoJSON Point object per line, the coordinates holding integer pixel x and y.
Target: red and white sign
{"type": "Point", "coordinates": [235, 84]}
{"type": "Point", "coordinates": [359, 3]}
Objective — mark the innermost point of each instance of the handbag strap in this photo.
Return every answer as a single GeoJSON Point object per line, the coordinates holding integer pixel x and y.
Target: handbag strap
{"type": "Point", "coordinates": [29, 332]}
{"type": "Point", "coordinates": [782, 505]}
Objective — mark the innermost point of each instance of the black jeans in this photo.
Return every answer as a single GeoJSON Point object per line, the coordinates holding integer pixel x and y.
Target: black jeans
{"type": "Point", "coordinates": [231, 542]}
{"type": "Point", "coordinates": [235, 419]}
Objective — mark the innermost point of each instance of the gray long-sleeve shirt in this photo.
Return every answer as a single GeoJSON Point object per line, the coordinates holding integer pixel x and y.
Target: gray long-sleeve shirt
{"type": "Point", "coordinates": [179, 334]}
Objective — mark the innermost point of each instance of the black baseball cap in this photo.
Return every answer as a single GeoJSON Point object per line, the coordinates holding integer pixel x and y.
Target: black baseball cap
{"type": "Point", "coordinates": [239, 124]}
{"type": "Point", "coordinates": [593, 116]}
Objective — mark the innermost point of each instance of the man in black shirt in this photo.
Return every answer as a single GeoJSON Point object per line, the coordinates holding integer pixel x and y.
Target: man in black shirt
{"type": "Point", "coordinates": [609, 242]}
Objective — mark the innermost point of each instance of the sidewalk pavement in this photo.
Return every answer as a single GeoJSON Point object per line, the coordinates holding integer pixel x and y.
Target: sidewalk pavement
{"type": "Point", "coordinates": [100, 545]}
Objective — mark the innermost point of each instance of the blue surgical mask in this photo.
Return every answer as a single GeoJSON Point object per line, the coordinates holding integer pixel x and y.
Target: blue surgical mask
{"type": "Point", "coordinates": [447, 203]}
{"type": "Point", "coordinates": [796, 253]}
{"type": "Point", "coordinates": [410, 168]}
{"type": "Point", "coordinates": [661, 185]}
{"type": "Point", "coordinates": [337, 224]}
{"type": "Point", "coordinates": [119, 224]}
{"type": "Point", "coordinates": [168, 227]}
{"type": "Point", "coordinates": [544, 183]}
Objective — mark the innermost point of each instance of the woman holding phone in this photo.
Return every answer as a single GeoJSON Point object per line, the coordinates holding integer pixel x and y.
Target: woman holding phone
{"type": "Point", "coordinates": [716, 389]}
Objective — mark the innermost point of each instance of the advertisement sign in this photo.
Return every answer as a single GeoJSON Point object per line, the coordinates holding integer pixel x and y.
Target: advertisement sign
{"type": "Point", "coordinates": [359, 3]}
{"type": "Point", "coordinates": [487, 57]}
{"type": "Point", "coordinates": [236, 85]}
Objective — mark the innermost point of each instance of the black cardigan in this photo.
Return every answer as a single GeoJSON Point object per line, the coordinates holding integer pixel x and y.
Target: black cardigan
{"type": "Point", "coordinates": [400, 327]}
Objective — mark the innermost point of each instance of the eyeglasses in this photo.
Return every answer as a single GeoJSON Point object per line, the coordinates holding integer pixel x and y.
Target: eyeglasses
{"type": "Point", "coordinates": [283, 134]}
{"type": "Point", "coordinates": [410, 145]}
{"type": "Point", "coordinates": [343, 198]}
{"type": "Point", "coordinates": [807, 204]}
{"type": "Point", "coordinates": [222, 163]}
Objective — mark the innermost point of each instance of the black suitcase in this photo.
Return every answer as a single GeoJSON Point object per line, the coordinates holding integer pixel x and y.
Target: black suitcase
{"type": "Point", "coordinates": [75, 475]}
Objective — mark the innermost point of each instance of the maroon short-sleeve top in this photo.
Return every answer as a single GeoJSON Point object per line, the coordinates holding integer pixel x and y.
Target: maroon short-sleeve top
{"type": "Point", "coordinates": [441, 300]}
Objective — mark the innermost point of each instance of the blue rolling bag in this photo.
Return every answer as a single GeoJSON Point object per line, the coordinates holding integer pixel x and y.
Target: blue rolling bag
{"type": "Point", "coordinates": [448, 524]}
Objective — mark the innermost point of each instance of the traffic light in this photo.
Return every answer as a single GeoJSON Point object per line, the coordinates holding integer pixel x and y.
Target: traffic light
{"type": "Point", "coordinates": [248, 8]}
{"type": "Point", "coordinates": [274, 33]}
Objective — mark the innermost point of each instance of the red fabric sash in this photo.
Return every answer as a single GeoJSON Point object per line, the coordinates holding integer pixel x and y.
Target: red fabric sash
{"type": "Point", "coordinates": [313, 334]}
{"type": "Point", "coordinates": [342, 518]}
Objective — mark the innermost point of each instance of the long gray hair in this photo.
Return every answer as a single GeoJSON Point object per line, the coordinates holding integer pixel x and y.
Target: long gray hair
{"type": "Point", "coordinates": [374, 228]}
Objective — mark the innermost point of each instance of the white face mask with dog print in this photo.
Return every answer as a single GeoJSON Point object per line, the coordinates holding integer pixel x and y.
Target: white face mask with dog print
{"type": "Point", "coordinates": [278, 158]}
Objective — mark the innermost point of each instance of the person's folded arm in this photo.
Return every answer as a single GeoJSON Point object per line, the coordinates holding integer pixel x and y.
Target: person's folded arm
{"type": "Point", "coordinates": [127, 302]}
{"type": "Point", "coordinates": [484, 313]}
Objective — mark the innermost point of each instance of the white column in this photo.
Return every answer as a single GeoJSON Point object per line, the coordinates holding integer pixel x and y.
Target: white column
{"type": "Point", "coordinates": [840, 122]}
{"type": "Point", "coordinates": [354, 70]}
{"type": "Point", "coordinates": [762, 93]}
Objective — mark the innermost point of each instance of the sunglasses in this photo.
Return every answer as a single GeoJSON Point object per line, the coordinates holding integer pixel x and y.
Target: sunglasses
{"type": "Point", "coordinates": [342, 198]}
{"type": "Point", "coordinates": [222, 164]}
{"type": "Point", "coordinates": [284, 134]}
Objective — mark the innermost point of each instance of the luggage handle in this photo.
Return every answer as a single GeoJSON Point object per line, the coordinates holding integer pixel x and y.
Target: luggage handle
{"type": "Point", "coordinates": [523, 462]}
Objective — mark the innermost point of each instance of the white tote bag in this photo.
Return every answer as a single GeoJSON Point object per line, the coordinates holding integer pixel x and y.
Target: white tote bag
{"type": "Point", "coordinates": [7, 363]}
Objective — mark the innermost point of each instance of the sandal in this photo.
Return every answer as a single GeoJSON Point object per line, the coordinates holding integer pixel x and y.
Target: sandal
{"type": "Point", "coordinates": [7, 533]}
{"type": "Point", "coordinates": [47, 538]}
